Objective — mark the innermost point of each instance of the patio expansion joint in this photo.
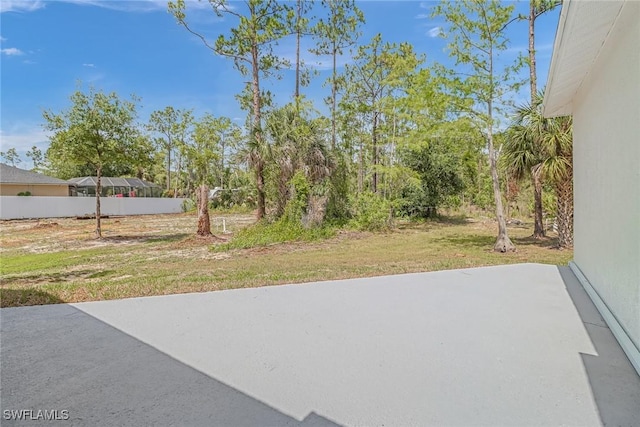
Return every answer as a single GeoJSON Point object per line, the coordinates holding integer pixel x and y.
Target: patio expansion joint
{"type": "Point", "coordinates": [596, 324]}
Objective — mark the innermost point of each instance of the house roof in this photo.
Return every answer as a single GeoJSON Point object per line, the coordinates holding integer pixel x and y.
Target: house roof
{"type": "Point", "coordinates": [13, 175]}
{"type": "Point", "coordinates": [106, 181]}
{"type": "Point", "coordinates": [583, 29]}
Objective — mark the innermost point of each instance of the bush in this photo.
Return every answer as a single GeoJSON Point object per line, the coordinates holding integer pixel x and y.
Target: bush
{"type": "Point", "coordinates": [370, 212]}
{"type": "Point", "coordinates": [281, 231]}
{"type": "Point", "coordinates": [188, 205]}
{"type": "Point", "coordinates": [24, 193]}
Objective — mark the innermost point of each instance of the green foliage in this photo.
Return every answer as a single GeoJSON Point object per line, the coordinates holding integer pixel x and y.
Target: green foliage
{"type": "Point", "coordinates": [338, 191]}
{"type": "Point", "coordinates": [24, 193]}
{"type": "Point", "coordinates": [281, 231]}
{"type": "Point", "coordinates": [11, 157]}
{"type": "Point", "coordinates": [98, 130]}
{"type": "Point", "coordinates": [188, 205]}
{"type": "Point", "coordinates": [297, 205]}
{"type": "Point", "coordinates": [439, 179]}
{"type": "Point", "coordinates": [370, 212]}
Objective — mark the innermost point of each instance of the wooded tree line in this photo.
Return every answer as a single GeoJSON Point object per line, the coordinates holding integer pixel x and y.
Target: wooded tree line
{"type": "Point", "coordinates": [401, 138]}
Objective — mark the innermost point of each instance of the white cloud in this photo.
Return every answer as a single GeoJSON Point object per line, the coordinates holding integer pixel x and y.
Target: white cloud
{"type": "Point", "coordinates": [20, 5]}
{"type": "Point", "coordinates": [23, 138]}
{"type": "Point", "coordinates": [89, 65]}
{"type": "Point", "coordinates": [137, 5]}
{"type": "Point", "coordinates": [2, 39]}
{"type": "Point", "coordinates": [11, 51]}
{"type": "Point", "coordinates": [434, 32]}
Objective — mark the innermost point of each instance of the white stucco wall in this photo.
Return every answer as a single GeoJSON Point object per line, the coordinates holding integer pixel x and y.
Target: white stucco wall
{"type": "Point", "coordinates": [606, 114]}
{"type": "Point", "coordinates": [13, 207]}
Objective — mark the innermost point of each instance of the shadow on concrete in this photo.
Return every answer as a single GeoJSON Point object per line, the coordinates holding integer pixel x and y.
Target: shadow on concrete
{"type": "Point", "coordinates": [60, 358]}
{"type": "Point", "coordinates": [614, 382]}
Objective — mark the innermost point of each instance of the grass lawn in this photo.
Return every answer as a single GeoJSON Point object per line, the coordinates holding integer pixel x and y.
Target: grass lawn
{"type": "Point", "coordinates": [58, 261]}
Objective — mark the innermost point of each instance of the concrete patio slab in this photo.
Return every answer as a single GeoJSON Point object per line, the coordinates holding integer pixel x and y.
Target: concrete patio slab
{"type": "Point", "coordinates": [509, 345]}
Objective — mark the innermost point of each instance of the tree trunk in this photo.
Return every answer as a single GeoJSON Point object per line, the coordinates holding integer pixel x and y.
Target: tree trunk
{"type": "Point", "coordinates": [532, 52]}
{"type": "Point", "coordinates": [261, 212]}
{"type": "Point", "coordinates": [361, 168]}
{"type": "Point", "coordinates": [169, 169]}
{"type": "Point", "coordinates": [98, 191]}
{"type": "Point", "coordinates": [503, 243]}
{"type": "Point", "coordinates": [564, 193]}
{"type": "Point", "coordinates": [538, 226]}
{"type": "Point", "coordinates": [374, 142]}
{"type": "Point", "coordinates": [334, 91]}
{"type": "Point", "coordinates": [298, 13]}
{"type": "Point", "coordinates": [257, 133]}
{"type": "Point", "coordinates": [202, 199]}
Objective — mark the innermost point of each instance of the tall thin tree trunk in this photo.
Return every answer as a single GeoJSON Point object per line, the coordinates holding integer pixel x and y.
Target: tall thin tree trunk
{"type": "Point", "coordinates": [503, 243]}
{"type": "Point", "coordinates": [261, 212]}
{"type": "Point", "coordinates": [98, 191]}
{"type": "Point", "coordinates": [532, 52]}
{"type": "Point", "coordinates": [374, 142]}
{"type": "Point", "coordinates": [257, 133]}
{"type": "Point", "coordinates": [334, 92]}
{"type": "Point", "coordinates": [538, 226]}
{"type": "Point", "coordinates": [202, 199]}
{"type": "Point", "coordinates": [298, 17]}
{"type": "Point", "coordinates": [564, 193]}
{"type": "Point", "coordinates": [169, 169]}
{"type": "Point", "coordinates": [361, 168]}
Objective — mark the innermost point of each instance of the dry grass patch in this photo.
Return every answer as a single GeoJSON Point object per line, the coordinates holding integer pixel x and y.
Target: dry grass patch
{"type": "Point", "coordinates": [59, 261]}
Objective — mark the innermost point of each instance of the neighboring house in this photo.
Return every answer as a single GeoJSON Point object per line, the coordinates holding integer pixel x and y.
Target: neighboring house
{"type": "Point", "coordinates": [116, 187]}
{"type": "Point", "coordinates": [14, 181]}
{"type": "Point", "coordinates": [595, 76]}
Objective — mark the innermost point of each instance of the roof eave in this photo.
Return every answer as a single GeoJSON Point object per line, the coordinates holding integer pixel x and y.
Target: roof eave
{"type": "Point", "coordinates": [550, 109]}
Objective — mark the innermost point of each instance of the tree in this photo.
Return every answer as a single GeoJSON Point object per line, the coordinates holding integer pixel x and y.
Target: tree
{"type": "Point", "coordinates": [173, 128]}
{"type": "Point", "coordinates": [98, 128]}
{"type": "Point", "coordinates": [544, 146]}
{"type": "Point", "coordinates": [249, 45]}
{"type": "Point", "coordinates": [301, 27]}
{"type": "Point", "coordinates": [35, 154]}
{"type": "Point", "coordinates": [298, 146]}
{"type": "Point", "coordinates": [439, 178]}
{"type": "Point", "coordinates": [11, 156]}
{"type": "Point", "coordinates": [536, 9]}
{"type": "Point", "coordinates": [334, 34]}
{"type": "Point", "coordinates": [377, 70]}
{"type": "Point", "coordinates": [477, 38]}
{"type": "Point", "coordinates": [209, 139]}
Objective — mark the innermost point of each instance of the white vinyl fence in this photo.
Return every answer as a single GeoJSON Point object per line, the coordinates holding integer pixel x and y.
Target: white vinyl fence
{"type": "Point", "coordinates": [17, 207]}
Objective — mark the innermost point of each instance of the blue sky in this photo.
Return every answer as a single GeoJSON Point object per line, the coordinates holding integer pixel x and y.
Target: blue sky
{"type": "Point", "coordinates": [136, 47]}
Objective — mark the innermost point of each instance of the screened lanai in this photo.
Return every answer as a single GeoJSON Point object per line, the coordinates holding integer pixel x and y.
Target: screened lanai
{"type": "Point", "coordinates": [116, 187]}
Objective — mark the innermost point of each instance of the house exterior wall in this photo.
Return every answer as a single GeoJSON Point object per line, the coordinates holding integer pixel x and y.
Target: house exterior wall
{"type": "Point", "coordinates": [15, 207]}
{"type": "Point", "coordinates": [34, 189]}
{"type": "Point", "coordinates": [606, 114]}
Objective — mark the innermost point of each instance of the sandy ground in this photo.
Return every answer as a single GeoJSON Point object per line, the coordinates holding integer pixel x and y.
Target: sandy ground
{"type": "Point", "coordinates": [49, 235]}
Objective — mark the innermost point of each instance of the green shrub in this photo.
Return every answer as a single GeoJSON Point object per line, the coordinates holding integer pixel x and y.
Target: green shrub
{"type": "Point", "coordinates": [370, 212]}
{"type": "Point", "coordinates": [24, 193]}
{"type": "Point", "coordinates": [281, 231]}
{"type": "Point", "coordinates": [188, 205]}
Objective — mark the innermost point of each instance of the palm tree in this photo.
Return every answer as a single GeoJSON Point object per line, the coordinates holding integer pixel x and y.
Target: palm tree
{"type": "Point", "coordinates": [297, 144]}
{"type": "Point", "coordinates": [543, 148]}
